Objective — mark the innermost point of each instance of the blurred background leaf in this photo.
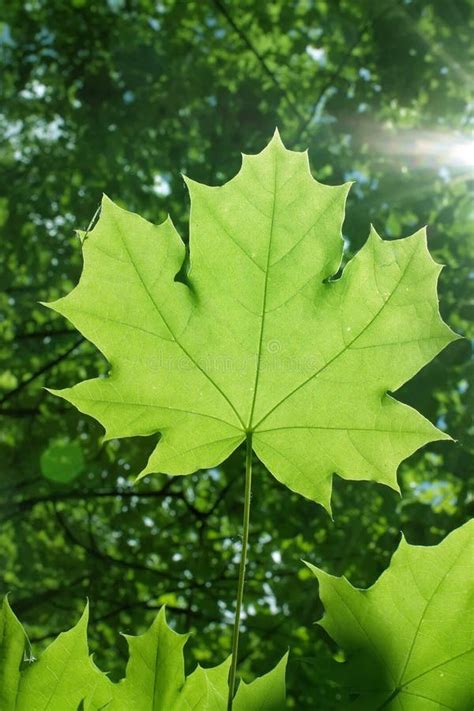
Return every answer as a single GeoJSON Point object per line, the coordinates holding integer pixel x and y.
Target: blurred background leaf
{"type": "Point", "coordinates": [62, 461]}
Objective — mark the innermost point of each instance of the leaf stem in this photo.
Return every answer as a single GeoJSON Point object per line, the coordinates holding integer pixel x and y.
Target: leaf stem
{"type": "Point", "coordinates": [243, 563]}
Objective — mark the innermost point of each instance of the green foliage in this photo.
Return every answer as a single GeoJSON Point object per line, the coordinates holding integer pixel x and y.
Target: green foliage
{"type": "Point", "coordinates": [266, 693]}
{"type": "Point", "coordinates": [62, 461]}
{"type": "Point", "coordinates": [285, 252]}
{"type": "Point", "coordinates": [65, 678]}
{"type": "Point", "coordinates": [62, 677]}
{"type": "Point", "coordinates": [408, 639]}
{"type": "Point", "coordinates": [12, 648]}
{"type": "Point", "coordinates": [208, 362]}
{"type": "Point", "coordinates": [120, 97]}
{"type": "Point", "coordinates": [155, 672]}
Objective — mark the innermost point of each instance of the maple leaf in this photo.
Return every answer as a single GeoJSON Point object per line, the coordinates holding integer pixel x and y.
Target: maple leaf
{"type": "Point", "coordinates": [65, 677]}
{"type": "Point", "coordinates": [59, 680]}
{"type": "Point", "coordinates": [408, 638]}
{"type": "Point", "coordinates": [155, 680]}
{"type": "Point", "coordinates": [12, 651]}
{"type": "Point", "coordinates": [154, 676]}
{"type": "Point", "coordinates": [259, 342]}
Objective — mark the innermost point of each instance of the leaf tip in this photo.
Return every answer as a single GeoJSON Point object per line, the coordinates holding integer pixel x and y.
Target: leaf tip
{"type": "Point", "coordinates": [445, 436]}
{"type": "Point", "coordinates": [188, 181]}
{"type": "Point", "coordinates": [313, 568]}
{"type": "Point", "coordinates": [141, 475]}
{"type": "Point", "coordinates": [47, 304]}
{"type": "Point", "coordinates": [54, 391]}
{"type": "Point", "coordinates": [373, 234]}
{"type": "Point", "coordinates": [168, 220]}
{"type": "Point", "coordinates": [56, 304]}
{"type": "Point", "coordinates": [393, 484]}
{"type": "Point", "coordinates": [324, 499]}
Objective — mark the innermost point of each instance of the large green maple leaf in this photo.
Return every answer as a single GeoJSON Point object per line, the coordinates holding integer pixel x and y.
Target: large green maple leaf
{"type": "Point", "coordinates": [259, 342]}
{"type": "Point", "coordinates": [409, 638]}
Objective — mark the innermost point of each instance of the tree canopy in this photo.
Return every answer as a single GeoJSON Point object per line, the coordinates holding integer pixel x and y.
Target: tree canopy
{"type": "Point", "coordinates": [121, 97]}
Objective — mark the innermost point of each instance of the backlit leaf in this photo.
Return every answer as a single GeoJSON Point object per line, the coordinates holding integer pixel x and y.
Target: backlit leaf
{"type": "Point", "coordinates": [65, 678]}
{"type": "Point", "coordinates": [62, 677]}
{"type": "Point", "coordinates": [12, 652]}
{"type": "Point", "coordinates": [259, 340]}
{"type": "Point", "coordinates": [155, 680]}
{"type": "Point", "coordinates": [408, 638]}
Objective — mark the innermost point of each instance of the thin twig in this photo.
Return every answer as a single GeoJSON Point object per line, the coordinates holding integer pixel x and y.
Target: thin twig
{"type": "Point", "coordinates": [48, 366]}
{"type": "Point", "coordinates": [240, 32]}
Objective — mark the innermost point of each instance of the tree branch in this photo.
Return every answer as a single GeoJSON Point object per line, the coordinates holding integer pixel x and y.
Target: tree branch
{"type": "Point", "coordinates": [48, 366]}
{"type": "Point", "coordinates": [239, 31]}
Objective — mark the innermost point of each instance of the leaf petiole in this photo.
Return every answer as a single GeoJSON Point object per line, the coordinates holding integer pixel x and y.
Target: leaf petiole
{"type": "Point", "coordinates": [243, 563]}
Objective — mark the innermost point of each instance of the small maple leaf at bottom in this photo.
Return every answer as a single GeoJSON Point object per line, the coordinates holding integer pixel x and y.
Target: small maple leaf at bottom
{"type": "Point", "coordinates": [65, 677]}
{"type": "Point", "coordinates": [259, 341]}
